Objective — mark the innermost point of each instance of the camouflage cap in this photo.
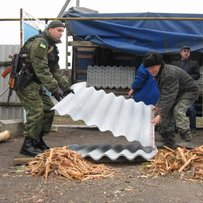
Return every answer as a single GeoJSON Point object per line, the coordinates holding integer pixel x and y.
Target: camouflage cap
{"type": "Point", "coordinates": [56, 23]}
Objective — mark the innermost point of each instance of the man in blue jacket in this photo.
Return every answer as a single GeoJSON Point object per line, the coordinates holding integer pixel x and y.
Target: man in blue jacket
{"type": "Point", "coordinates": [144, 87]}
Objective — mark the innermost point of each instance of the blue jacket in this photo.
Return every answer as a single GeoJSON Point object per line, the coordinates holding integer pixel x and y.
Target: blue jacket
{"type": "Point", "coordinates": [145, 87]}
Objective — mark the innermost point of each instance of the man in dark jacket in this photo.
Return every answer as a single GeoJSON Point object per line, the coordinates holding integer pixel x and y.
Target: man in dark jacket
{"type": "Point", "coordinates": [39, 72]}
{"type": "Point", "coordinates": [177, 92]}
{"type": "Point", "coordinates": [192, 68]}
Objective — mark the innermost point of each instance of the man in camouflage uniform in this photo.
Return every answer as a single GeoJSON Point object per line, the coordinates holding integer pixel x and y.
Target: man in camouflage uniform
{"type": "Point", "coordinates": [39, 73]}
{"type": "Point", "coordinates": [177, 92]}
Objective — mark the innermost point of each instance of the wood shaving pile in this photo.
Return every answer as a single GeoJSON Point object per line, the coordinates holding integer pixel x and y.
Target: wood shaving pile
{"type": "Point", "coordinates": [188, 163]}
{"type": "Point", "coordinates": [62, 162]}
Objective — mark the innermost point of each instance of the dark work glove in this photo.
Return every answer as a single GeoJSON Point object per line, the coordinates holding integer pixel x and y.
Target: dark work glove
{"type": "Point", "coordinates": [68, 91]}
{"type": "Point", "coordinates": [58, 95]}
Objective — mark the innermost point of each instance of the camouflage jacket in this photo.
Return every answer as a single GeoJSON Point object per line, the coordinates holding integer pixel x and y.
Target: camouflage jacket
{"type": "Point", "coordinates": [174, 84]}
{"type": "Point", "coordinates": [43, 57]}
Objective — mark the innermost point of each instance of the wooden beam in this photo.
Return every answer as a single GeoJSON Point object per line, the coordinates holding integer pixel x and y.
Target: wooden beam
{"type": "Point", "coordinates": [5, 63]}
{"type": "Point", "coordinates": [82, 44]}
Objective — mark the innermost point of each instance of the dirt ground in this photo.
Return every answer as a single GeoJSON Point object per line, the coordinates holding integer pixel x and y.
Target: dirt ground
{"type": "Point", "coordinates": [128, 186]}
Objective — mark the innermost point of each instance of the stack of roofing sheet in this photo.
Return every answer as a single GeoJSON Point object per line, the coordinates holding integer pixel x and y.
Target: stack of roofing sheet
{"type": "Point", "coordinates": [123, 117]}
{"type": "Point", "coordinates": [110, 76]}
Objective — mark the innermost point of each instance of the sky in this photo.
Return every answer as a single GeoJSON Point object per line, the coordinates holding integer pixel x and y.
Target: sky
{"type": "Point", "coordinates": [10, 31]}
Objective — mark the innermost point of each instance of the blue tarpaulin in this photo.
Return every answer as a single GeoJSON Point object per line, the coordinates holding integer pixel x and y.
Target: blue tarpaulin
{"type": "Point", "coordinates": [139, 36]}
{"type": "Point", "coordinates": [29, 31]}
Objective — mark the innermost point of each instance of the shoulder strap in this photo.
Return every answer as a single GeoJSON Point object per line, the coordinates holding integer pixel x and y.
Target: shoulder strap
{"type": "Point", "coordinates": [50, 49]}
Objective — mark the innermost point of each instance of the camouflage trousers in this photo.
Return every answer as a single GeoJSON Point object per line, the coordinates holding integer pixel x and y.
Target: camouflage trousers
{"type": "Point", "coordinates": [176, 117]}
{"type": "Point", "coordinates": [37, 105]}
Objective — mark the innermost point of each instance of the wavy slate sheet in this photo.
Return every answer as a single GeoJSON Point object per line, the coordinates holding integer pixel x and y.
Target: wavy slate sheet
{"type": "Point", "coordinates": [119, 153]}
{"type": "Point", "coordinates": [110, 76]}
{"type": "Point", "coordinates": [123, 117]}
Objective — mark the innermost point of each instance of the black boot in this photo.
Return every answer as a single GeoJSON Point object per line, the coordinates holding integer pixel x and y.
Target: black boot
{"type": "Point", "coordinates": [170, 144]}
{"type": "Point", "coordinates": [169, 141]}
{"type": "Point", "coordinates": [41, 144]}
{"type": "Point", "coordinates": [30, 147]}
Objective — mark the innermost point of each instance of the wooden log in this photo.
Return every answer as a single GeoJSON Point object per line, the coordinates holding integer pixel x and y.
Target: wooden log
{"type": "Point", "coordinates": [22, 161]}
{"type": "Point", "coordinates": [187, 163]}
{"type": "Point", "coordinates": [168, 148]}
{"type": "Point", "coordinates": [180, 150]}
{"type": "Point", "coordinates": [5, 135]}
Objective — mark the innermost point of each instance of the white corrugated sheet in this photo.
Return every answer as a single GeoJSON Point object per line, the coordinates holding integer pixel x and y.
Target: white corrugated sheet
{"type": "Point", "coordinates": [123, 117]}
{"type": "Point", "coordinates": [119, 153]}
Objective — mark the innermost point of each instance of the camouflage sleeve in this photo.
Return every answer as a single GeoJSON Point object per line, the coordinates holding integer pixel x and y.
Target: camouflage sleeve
{"type": "Point", "coordinates": [39, 60]}
{"type": "Point", "coordinates": [63, 81]}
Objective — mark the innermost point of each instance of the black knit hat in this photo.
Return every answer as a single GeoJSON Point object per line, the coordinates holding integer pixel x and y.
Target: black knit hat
{"type": "Point", "coordinates": [55, 23]}
{"type": "Point", "coordinates": [152, 59]}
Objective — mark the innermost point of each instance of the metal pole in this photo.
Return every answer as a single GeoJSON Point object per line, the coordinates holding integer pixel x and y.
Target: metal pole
{"type": "Point", "coordinates": [105, 18]}
{"type": "Point", "coordinates": [63, 9]}
{"type": "Point", "coordinates": [21, 44]}
{"type": "Point", "coordinates": [21, 27]}
{"type": "Point", "coordinates": [4, 91]}
{"type": "Point", "coordinates": [77, 3]}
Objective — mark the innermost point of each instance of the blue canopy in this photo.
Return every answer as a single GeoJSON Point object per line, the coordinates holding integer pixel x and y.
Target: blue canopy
{"type": "Point", "coordinates": [139, 36]}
